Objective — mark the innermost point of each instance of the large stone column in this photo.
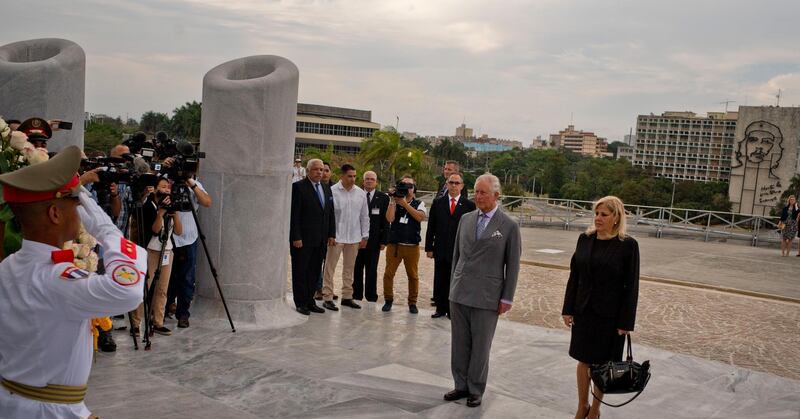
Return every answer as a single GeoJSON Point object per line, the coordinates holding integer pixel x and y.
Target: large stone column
{"type": "Point", "coordinates": [247, 133]}
{"type": "Point", "coordinates": [45, 78]}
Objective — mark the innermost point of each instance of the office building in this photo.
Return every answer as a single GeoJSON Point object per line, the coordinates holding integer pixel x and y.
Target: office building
{"type": "Point", "coordinates": [318, 126]}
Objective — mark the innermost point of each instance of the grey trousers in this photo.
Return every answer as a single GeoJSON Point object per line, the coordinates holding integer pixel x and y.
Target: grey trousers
{"type": "Point", "coordinates": [472, 331]}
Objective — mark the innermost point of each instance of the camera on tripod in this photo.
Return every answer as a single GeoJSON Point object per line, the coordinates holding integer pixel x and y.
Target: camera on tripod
{"type": "Point", "coordinates": [401, 190]}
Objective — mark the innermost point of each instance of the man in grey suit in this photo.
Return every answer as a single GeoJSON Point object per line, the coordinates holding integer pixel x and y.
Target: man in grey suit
{"type": "Point", "coordinates": [485, 268]}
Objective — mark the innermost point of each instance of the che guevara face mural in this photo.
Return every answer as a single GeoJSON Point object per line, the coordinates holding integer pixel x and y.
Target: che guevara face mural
{"type": "Point", "coordinates": [761, 147]}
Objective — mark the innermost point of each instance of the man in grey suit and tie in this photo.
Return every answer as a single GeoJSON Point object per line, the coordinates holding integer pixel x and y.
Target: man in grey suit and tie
{"type": "Point", "coordinates": [485, 268]}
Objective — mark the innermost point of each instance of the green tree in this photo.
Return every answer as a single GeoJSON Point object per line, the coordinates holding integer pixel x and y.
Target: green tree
{"type": "Point", "coordinates": [384, 151]}
{"type": "Point", "coordinates": [101, 137]}
{"type": "Point", "coordinates": [450, 150]}
{"type": "Point", "coordinates": [153, 122]}
{"type": "Point", "coordinates": [185, 122]}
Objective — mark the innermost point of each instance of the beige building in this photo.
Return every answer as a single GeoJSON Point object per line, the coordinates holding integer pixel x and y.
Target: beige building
{"type": "Point", "coordinates": [764, 157]}
{"type": "Point", "coordinates": [463, 132]}
{"type": "Point", "coordinates": [318, 126]}
{"type": "Point", "coordinates": [684, 146]}
{"type": "Point", "coordinates": [582, 142]}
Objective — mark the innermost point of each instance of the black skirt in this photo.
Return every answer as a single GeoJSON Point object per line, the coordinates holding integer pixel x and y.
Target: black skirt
{"type": "Point", "coordinates": [595, 339]}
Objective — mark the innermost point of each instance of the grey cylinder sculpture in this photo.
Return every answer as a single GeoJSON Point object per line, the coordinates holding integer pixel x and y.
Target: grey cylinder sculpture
{"type": "Point", "coordinates": [45, 78]}
{"type": "Point", "coordinates": [247, 132]}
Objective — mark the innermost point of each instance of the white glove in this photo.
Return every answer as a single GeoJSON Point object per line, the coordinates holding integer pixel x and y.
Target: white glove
{"type": "Point", "coordinates": [94, 219]}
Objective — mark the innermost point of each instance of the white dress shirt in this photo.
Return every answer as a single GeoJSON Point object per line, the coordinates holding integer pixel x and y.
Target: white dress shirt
{"type": "Point", "coordinates": [189, 233]}
{"type": "Point", "coordinates": [352, 214]}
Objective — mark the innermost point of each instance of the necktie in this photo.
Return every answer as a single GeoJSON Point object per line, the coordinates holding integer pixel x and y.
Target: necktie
{"type": "Point", "coordinates": [320, 196]}
{"type": "Point", "coordinates": [368, 200]}
{"type": "Point", "coordinates": [482, 221]}
{"type": "Point", "coordinates": [452, 206]}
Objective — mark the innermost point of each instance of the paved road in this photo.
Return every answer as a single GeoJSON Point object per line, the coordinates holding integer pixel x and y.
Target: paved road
{"type": "Point", "coordinates": [761, 334]}
{"type": "Point", "coordinates": [729, 265]}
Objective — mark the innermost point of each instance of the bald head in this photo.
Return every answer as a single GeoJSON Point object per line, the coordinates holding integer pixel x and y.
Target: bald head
{"type": "Point", "coordinates": [119, 150]}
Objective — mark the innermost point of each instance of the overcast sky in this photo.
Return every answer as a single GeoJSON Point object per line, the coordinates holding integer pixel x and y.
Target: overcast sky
{"type": "Point", "coordinates": [511, 69]}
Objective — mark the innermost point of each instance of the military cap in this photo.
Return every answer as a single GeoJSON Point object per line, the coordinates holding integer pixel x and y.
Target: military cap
{"type": "Point", "coordinates": [55, 178]}
{"type": "Point", "coordinates": [36, 129]}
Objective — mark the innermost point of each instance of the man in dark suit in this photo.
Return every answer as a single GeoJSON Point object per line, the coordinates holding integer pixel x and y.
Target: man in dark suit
{"type": "Point", "coordinates": [446, 211]}
{"type": "Point", "coordinates": [366, 271]}
{"type": "Point", "coordinates": [312, 227]}
{"type": "Point", "coordinates": [486, 258]}
{"type": "Point", "coordinates": [450, 167]}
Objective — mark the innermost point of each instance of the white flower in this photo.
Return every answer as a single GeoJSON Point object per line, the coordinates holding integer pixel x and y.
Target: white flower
{"type": "Point", "coordinates": [4, 128]}
{"type": "Point", "coordinates": [83, 251]}
{"type": "Point", "coordinates": [80, 263]}
{"type": "Point", "coordinates": [35, 155]}
{"type": "Point", "coordinates": [19, 141]}
{"type": "Point", "coordinates": [91, 262]}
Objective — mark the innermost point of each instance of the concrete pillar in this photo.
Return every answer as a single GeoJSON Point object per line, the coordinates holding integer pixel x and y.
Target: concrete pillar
{"type": "Point", "coordinates": [247, 133]}
{"type": "Point", "coordinates": [45, 78]}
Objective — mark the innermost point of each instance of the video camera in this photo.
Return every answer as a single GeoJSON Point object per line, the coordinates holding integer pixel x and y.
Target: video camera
{"type": "Point", "coordinates": [401, 190]}
{"type": "Point", "coordinates": [185, 160]}
{"type": "Point", "coordinates": [126, 169]}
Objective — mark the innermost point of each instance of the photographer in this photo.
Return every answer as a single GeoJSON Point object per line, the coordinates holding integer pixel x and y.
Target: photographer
{"type": "Point", "coordinates": [183, 273]}
{"type": "Point", "coordinates": [164, 221]}
{"type": "Point", "coordinates": [405, 214]}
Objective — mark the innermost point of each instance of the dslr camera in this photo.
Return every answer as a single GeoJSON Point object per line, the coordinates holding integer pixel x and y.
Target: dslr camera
{"type": "Point", "coordinates": [401, 190]}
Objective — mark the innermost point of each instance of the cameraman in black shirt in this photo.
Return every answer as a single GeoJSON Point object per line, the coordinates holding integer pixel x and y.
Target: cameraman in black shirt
{"type": "Point", "coordinates": [405, 215]}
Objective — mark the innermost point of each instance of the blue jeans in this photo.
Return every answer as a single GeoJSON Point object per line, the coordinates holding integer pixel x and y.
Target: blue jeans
{"type": "Point", "coordinates": [182, 279]}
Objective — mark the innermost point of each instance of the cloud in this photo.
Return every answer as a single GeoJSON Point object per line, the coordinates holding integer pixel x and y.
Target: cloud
{"type": "Point", "coordinates": [514, 69]}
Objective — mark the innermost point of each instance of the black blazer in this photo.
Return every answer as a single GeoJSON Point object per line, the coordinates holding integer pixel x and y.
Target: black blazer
{"type": "Point", "coordinates": [610, 289]}
{"type": "Point", "coordinates": [442, 227]}
{"type": "Point", "coordinates": [310, 222]}
{"type": "Point", "coordinates": [378, 225]}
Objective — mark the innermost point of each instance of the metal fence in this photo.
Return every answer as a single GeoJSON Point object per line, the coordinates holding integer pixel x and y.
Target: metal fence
{"type": "Point", "coordinates": [661, 221]}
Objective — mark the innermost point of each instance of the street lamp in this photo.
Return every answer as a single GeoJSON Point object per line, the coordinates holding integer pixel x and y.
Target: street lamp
{"type": "Point", "coordinates": [672, 200]}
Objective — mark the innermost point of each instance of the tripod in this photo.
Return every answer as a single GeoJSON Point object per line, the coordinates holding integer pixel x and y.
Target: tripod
{"type": "Point", "coordinates": [183, 190]}
{"type": "Point", "coordinates": [134, 206]}
{"type": "Point", "coordinates": [162, 239]}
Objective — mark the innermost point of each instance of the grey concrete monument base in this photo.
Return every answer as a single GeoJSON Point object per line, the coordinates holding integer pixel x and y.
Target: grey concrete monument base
{"type": "Point", "coordinates": [45, 78]}
{"type": "Point", "coordinates": [247, 133]}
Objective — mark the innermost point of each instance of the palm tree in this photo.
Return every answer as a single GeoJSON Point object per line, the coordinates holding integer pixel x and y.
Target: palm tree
{"type": "Point", "coordinates": [384, 150]}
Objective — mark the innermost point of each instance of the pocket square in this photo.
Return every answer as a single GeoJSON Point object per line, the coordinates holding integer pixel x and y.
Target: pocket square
{"type": "Point", "coordinates": [497, 234]}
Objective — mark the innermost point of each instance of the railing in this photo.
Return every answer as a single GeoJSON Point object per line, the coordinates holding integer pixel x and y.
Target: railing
{"type": "Point", "coordinates": [709, 225]}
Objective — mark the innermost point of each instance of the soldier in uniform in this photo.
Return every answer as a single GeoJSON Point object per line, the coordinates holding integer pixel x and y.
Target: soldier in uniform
{"type": "Point", "coordinates": [38, 131]}
{"type": "Point", "coordinates": [46, 302]}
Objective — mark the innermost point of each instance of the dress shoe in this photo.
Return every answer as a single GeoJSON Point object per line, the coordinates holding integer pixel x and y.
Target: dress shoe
{"type": "Point", "coordinates": [335, 297]}
{"type": "Point", "coordinates": [474, 400]}
{"type": "Point", "coordinates": [315, 309]}
{"type": "Point", "coordinates": [387, 306]}
{"type": "Point", "coordinates": [105, 342]}
{"type": "Point", "coordinates": [456, 395]}
{"type": "Point", "coordinates": [161, 330]}
{"type": "Point", "coordinates": [318, 296]}
{"type": "Point", "coordinates": [183, 323]}
{"type": "Point", "coordinates": [330, 306]}
{"type": "Point", "coordinates": [412, 309]}
{"type": "Point", "coordinates": [302, 310]}
{"type": "Point", "coordinates": [350, 303]}
{"type": "Point", "coordinates": [437, 315]}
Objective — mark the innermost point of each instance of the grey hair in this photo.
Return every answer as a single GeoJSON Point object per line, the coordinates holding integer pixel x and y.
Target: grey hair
{"type": "Point", "coordinates": [492, 179]}
{"type": "Point", "coordinates": [312, 161]}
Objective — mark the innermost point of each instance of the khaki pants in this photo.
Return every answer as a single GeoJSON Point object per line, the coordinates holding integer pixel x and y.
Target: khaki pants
{"type": "Point", "coordinates": [350, 252]}
{"type": "Point", "coordinates": [160, 292]}
{"type": "Point", "coordinates": [409, 255]}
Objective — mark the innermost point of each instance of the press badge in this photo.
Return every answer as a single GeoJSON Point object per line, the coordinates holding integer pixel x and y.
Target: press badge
{"type": "Point", "coordinates": [165, 259]}
{"type": "Point", "coordinates": [376, 211]}
{"type": "Point", "coordinates": [404, 219]}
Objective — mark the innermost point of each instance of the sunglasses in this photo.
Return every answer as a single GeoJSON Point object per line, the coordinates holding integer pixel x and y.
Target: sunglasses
{"type": "Point", "coordinates": [452, 182]}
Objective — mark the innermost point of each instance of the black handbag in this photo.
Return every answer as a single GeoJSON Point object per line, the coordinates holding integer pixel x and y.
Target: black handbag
{"type": "Point", "coordinates": [621, 377]}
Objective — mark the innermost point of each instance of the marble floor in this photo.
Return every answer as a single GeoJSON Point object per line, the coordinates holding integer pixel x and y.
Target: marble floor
{"type": "Point", "coordinates": [370, 364]}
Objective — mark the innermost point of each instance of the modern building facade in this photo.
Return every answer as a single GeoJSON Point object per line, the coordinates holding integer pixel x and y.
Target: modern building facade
{"type": "Point", "coordinates": [582, 142]}
{"type": "Point", "coordinates": [684, 146]}
{"type": "Point", "coordinates": [463, 132]}
{"type": "Point", "coordinates": [625, 151]}
{"type": "Point", "coordinates": [318, 126]}
{"type": "Point", "coordinates": [764, 157]}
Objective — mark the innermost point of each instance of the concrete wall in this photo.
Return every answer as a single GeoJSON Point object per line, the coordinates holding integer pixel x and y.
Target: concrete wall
{"type": "Point", "coordinates": [45, 78]}
{"type": "Point", "coordinates": [765, 157]}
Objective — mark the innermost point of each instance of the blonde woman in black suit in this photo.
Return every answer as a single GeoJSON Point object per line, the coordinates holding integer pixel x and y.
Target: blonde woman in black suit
{"type": "Point", "coordinates": [601, 296]}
